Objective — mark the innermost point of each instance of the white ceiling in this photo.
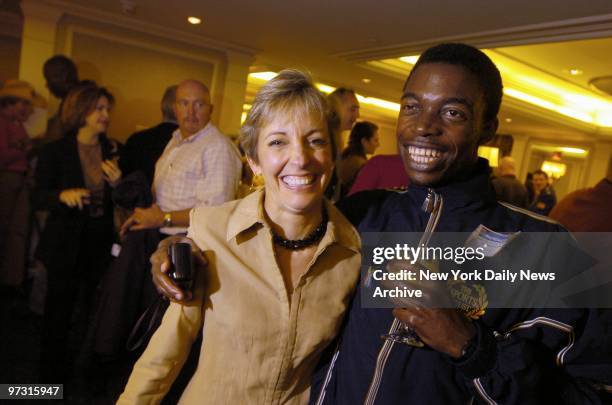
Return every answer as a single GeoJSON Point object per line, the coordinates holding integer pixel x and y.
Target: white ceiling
{"type": "Point", "coordinates": [332, 38]}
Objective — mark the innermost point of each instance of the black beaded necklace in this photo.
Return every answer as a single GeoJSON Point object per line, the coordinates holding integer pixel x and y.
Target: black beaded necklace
{"type": "Point", "coordinates": [311, 239]}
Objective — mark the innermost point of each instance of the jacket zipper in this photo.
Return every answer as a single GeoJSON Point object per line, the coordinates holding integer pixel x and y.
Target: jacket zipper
{"type": "Point", "coordinates": [433, 205]}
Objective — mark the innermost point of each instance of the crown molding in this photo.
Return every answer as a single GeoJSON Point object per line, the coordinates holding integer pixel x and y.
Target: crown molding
{"type": "Point", "coordinates": [543, 115]}
{"type": "Point", "coordinates": [572, 29]}
{"type": "Point", "coordinates": [130, 23]}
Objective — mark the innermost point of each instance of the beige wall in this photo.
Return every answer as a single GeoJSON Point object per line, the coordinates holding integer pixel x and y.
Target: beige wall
{"type": "Point", "coordinates": [136, 76]}
{"type": "Point", "coordinates": [9, 61]}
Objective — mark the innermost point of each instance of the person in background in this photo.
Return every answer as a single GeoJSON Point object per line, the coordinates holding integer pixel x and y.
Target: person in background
{"type": "Point", "coordinates": [74, 177]}
{"type": "Point", "coordinates": [16, 100]}
{"type": "Point", "coordinates": [344, 102]}
{"type": "Point", "coordinates": [507, 187]}
{"type": "Point", "coordinates": [381, 172]}
{"type": "Point", "coordinates": [544, 198]}
{"type": "Point", "coordinates": [529, 186]}
{"type": "Point", "coordinates": [587, 210]}
{"type": "Point", "coordinates": [143, 148]}
{"type": "Point", "coordinates": [199, 166]}
{"type": "Point", "coordinates": [282, 264]}
{"type": "Point", "coordinates": [363, 141]}
{"type": "Point", "coordinates": [345, 105]}
{"type": "Point", "coordinates": [61, 75]}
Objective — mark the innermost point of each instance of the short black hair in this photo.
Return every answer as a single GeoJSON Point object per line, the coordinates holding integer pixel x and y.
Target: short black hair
{"type": "Point", "coordinates": [541, 172]}
{"type": "Point", "coordinates": [61, 75]}
{"type": "Point", "coordinates": [476, 62]}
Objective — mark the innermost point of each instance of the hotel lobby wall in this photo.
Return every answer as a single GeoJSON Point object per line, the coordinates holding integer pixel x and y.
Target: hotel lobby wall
{"type": "Point", "coordinates": [9, 63]}
{"type": "Point", "coordinates": [136, 76]}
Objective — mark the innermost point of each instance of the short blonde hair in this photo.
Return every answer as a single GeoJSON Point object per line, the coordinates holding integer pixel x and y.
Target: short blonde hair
{"type": "Point", "coordinates": [291, 91]}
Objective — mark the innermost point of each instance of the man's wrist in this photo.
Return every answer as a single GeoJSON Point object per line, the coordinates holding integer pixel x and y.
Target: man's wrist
{"type": "Point", "coordinates": [483, 356]}
{"type": "Point", "coordinates": [167, 221]}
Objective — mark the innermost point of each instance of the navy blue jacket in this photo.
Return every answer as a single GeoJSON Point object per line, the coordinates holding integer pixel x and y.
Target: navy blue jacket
{"type": "Point", "coordinates": [535, 356]}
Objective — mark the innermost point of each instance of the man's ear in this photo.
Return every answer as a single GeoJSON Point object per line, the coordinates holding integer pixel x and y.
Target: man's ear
{"type": "Point", "coordinates": [488, 131]}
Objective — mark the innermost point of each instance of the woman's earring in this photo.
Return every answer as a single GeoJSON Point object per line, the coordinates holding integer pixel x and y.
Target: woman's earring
{"type": "Point", "coordinates": [257, 181]}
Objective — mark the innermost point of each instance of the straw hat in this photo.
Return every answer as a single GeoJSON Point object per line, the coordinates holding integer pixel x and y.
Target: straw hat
{"type": "Point", "coordinates": [24, 91]}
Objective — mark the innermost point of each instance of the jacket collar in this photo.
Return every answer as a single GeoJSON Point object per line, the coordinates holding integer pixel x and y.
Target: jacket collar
{"type": "Point", "coordinates": [249, 216]}
{"type": "Point", "coordinates": [474, 188]}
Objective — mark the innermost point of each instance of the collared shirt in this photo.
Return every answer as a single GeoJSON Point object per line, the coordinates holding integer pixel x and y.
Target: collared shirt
{"type": "Point", "coordinates": [260, 345]}
{"type": "Point", "coordinates": [203, 169]}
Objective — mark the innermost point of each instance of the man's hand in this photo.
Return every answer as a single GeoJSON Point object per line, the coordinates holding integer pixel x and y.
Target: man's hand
{"type": "Point", "coordinates": [143, 218]}
{"type": "Point", "coordinates": [161, 265]}
{"type": "Point", "coordinates": [433, 316]}
{"type": "Point", "coordinates": [75, 197]}
{"type": "Point", "coordinates": [445, 330]}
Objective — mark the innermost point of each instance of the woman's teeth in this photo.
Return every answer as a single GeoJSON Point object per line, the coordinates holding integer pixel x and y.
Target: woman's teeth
{"type": "Point", "coordinates": [299, 180]}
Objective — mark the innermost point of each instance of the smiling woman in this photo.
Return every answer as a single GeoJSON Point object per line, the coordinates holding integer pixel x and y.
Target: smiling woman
{"type": "Point", "coordinates": [74, 177]}
{"type": "Point", "coordinates": [282, 263]}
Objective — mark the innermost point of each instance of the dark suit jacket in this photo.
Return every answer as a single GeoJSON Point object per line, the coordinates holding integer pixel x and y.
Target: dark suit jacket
{"type": "Point", "coordinates": [59, 168]}
{"type": "Point", "coordinates": [509, 189]}
{"type": "Point", "coordinates": [143, 148]}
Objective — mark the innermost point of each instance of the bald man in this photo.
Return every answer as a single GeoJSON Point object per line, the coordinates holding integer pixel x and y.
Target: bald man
{"type": "Point", "coordinates": [200, 166]}
{"type": "Point", "coordinates": [507, 187]}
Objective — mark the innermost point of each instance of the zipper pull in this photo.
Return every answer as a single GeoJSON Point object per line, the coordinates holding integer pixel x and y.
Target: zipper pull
{"type": "Point", "coordinates": [428, 203]}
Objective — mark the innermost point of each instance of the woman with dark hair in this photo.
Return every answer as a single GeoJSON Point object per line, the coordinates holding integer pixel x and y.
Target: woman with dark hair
{"type": "Point", "coordinates": [74, 177]}
{"type": "Point", "coordinates": [363, 141]}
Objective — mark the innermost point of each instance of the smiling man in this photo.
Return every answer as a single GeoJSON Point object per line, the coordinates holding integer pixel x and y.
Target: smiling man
{"type": "Point", "coordinates": [449, 107]}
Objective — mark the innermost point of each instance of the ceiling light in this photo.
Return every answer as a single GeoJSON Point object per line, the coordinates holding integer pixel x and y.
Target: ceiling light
{"type": "Point", "coordinates": [194, 20]}
{"type": "Point", "coordinates": [366, 80]}
{"type": "Point", "coordinates": [325, 88]}
{"type": "Point", "coordinates": [410, 59]}
{"type": "Point", "coordinates": [575, 72]}
{"type": "Point", "coordinates": [508, 120]}
{"type": "Point", "coordinates": [265, 76]}
{"type": "Point", "coordinates": [573, 150]}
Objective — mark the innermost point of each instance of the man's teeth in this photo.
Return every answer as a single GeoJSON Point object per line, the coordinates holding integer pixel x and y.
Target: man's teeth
{"type": "Point", "coordinates": [423, 155]}
{"type": "Point", "coordinates": [298, 180]}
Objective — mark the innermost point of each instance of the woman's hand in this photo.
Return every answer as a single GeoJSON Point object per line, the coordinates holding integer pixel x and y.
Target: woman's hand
{"type": "Point", "coordinates": [75, 197]}
{"type": "Point", "coordinates": [111, 172]}
{"type": "Point", "coordinates": [161, 266]}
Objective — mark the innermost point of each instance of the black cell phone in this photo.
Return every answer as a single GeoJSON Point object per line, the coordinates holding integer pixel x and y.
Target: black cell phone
{"type": "Point", "coordinates": [182, 265]}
